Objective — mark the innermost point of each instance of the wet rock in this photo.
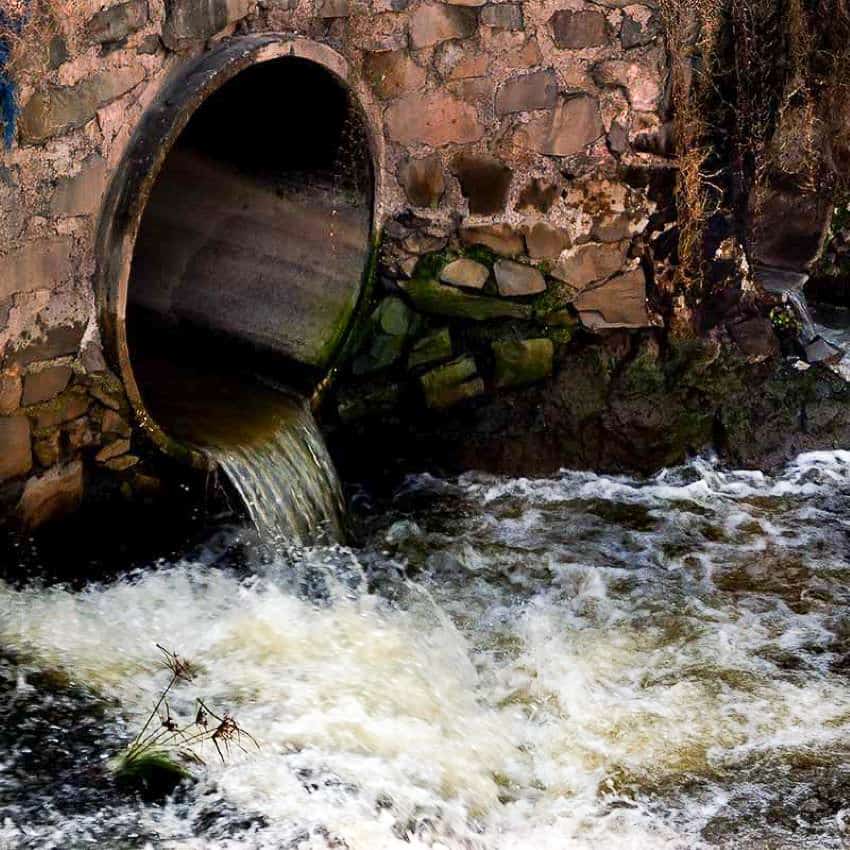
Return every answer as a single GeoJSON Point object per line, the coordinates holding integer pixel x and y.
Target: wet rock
{"type": "Point", "coordinates": [451, 383]}
{"type": "Point", "coordinates": [82, 193]}
{"type": "Point", "coordinates": [52, 495]}
{"type": "Point", "coordinates": [616, 303]}
{"type": "Point", "coordinates": [113, 449]}
{"type": "Point", "coordinates": [113, 423]}
{"type": "Point", "coordinates": [578, 30]}
{"type": "Point", "coordinates": [39, 264]}
{"type": "Point", "coordinates": [393, 73]}
{"type": "Point", "coordinates": [59, 341]}
{"type": "Point", "coordinates": [640, 81]}
{"type": "Point", "coordinates": [755, 337]}
{"type": "Point", "coordinates": [515, 279]}
{"type": "Point", "coordinates": [565, 131]}
{"type": "Point", "coordinates": [122, 463]}
{"type": "Point", "coordinates": [538, 195]}
{"type": "Point", "coordinates": [54, 110]}
{"type": "Point", "coordinates": [500, 238]}
{"type": "Point", "coordinates": [45, 384]}
{"type": "Point", "coordinates": [364, 402]}
{"type": "Point", "coordinates": [537, 90]}
{"type": "Point", "coordinates": [69, 405]}
{"type": "Point", "coordinates": [432, 23]}
{"type": "Point", "coordinates": [544, 241]}
{"type": "Point", "coordinates": [821, 350]}
{"type": "Point", "coordinates": [433, 348]}
{"type": "Point", "coordinates": [329, 9]}
{"type": "Point", "coordinates": [484, 182]}
{"type": "Point", "coordinates": [191, 21]}
{"type": "Point", "coordinates": [46, 447]}
{"type": "Point", "coordinates": [393, 317]}
{"type": "Point", "coordinates": [11, 390]}
{"type": "Point", "coordinates": [521, 362]}
{"type": "Point", "coordinates": [434, 119]}
{"type": "Point", "coordinates": [15, 449]}
{"type": "Point", "coordinates": [433, 298]}
{"type": "Point", "coordinates": [640, 27]}
{"type": "Point", "coordinates": [506, 16]}
{"type": "Point", "coordinates": [465, 273]}
{"type": "Point", "coordinates": [107, 389]}
{"type": "Point", "coordinates": [586, 264]}
{"type": "Point", "coordinates": [117, 22]}
{"type": "Point", "coordinates": [382, 351]}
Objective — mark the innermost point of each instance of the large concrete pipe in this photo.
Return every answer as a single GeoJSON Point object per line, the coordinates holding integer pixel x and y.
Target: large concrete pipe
{"type": "Point", "coordinates": [237, 234]}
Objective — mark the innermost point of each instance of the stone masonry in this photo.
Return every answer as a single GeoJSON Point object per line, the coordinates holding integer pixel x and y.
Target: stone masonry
{"type": "Point", "coordinates": [517, 183]}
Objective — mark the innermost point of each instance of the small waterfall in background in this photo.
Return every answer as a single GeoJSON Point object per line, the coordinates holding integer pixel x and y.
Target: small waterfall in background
{"type": "Point", "coordinates": [286, 478]}
{"type": "Point", "coordinates": [801, 307]}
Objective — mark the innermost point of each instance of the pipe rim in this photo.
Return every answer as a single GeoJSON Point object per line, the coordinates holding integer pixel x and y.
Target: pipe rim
{"type": "Point", "coordinates": [132, 183]}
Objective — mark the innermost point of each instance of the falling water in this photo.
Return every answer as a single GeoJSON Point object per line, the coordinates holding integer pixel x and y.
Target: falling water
{"type": "Point", "coordinates": [801, 307]}
{"type": "Point", "coordinates": [286, 478]}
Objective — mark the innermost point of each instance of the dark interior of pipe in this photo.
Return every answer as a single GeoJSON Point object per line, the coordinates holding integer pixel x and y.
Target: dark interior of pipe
{"type": "Point", "coordinates": [252, 246]}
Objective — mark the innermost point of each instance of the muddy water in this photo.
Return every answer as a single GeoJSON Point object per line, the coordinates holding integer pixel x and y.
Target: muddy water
{"type": "Point", "coordinates": [574, 662]}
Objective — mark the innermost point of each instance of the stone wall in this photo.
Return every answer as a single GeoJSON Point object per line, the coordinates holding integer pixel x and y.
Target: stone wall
{"type": "Point", "coordinates": [521, 144]}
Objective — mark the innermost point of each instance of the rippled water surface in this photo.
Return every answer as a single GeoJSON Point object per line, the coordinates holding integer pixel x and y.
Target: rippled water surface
{"type": "Point", "coordinates": [574, 662]}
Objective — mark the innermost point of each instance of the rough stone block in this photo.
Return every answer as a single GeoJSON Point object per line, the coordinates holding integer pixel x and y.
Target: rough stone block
{"type": "Point", "coordinates": [422, 180]}
{"type": "Point", "coordinates": [52, 495]}
{"type": "Point", "coordinates": [39, 264]}
{"type": "Point", "coordinates": [432, 23]}
{"type": "Point", "coordinates": [45, 384]}
{"type": "Point", "coordinates": [188, 21]}
{"type": "Point", "coordinates": [450, 396]}
{"type": "Point", "coordinates": [69, 405]}
{"type": "Point", "coordinates": [113, 449]}
{"type": "Point", "coordinates": [433, 298]}
{"type": "Point", "coordinates": [433, 348]}
{"type": "Point", "coordinates": [537, 90]}
{"type": "Point", "coordinates": [579, 30]}
{"type": "Point", "coordinates": [616, 303]}
{"type": "Point", "coordinates": [538, 195]}
{"type": "Point", "coordinates": [434, 119]}
{"type": "Point", "coordinates": [60, 341]}
{"type": "Point", "coordinates": [484, 182]}
{"type": "Point", "coordinates": [502, 239]}
{"type": "Point", "coordinates": [522, 361]}
{"type": "Point", "coordinates": [566, 130]}
{"type": "Point", "coordinates": [122, 463]}
{"type": "Point", "coordinates": [54, 110]}
{"type": "Point", "coordinates": [641, 26]}
{"type": "Point", "coordinates": [333, 8]}
{"type": "Point", "coordinates": [544, 241]}
{"type": "Point", "coordinates": [505, 16]}
{"type": "Point", "coordinates": [15, 449]}
{"type": "Point", "coordinates": [641, 81]}
{"type": "Point", "coordinates": [82, 193]}
{"type": "Point", "coordinates": [465, 273]}
{"type": "Point", "coordinates": [515, 279]}
{"type": "Point", "coordinates": [11, 390]}
{"type": "Point", "coordinates": [449, 384]}
{"type": "Point", "coordinates": [589, 263]}
{"type": "Point", "coordinates": [393, 73]}
{"type": "Point", "coordinates": [118, 21]}
{"type": "Point", "coordinates": [47, 447]}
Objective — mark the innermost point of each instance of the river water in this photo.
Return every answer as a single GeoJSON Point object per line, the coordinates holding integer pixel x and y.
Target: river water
{"type": "Point", "coordinates": [580, 661]}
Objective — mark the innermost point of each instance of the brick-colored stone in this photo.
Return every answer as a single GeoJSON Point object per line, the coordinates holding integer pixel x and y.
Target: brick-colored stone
{"type": "Point", "coordinates": [82, 193]}
{"type": "Point", "coordinates": [499, 238]}
{"type": "Point", "coordinates": [69, 405]}
{"type": "Point", "coordinates": [194, 21]}
{"type": "Point", "coordinates": [39, 264]}
{"type": "Point", "coordinates": [578, 30]}
{"type": "Point", "coordinates": [616, 303]}
{"type": "Point", "coordinates": [434, 119]}
{"type": "Point", "coordinates": [15, 448]}
{"type": "Point", "coordinates": [484, 182]}
{"type": "Point", "coordinates": [47, 447]}
{"type": "Point", "coordinates": [45, 384]}
{"type": "Point", "coordinates": [505, 16]}
{"type": "Point", "coordinates": [545, 241]}
{"type": "Point", "coordinates": [113, 449]}
{"type": "Point", "coordinates": [422, 180]}
{"type": "Point", "coordinates": [586, 264]}
{"type": "Point", "coordinates": [11, 390]}
{"type": "Point", "coordinates": [641, 81]}
{"type": "Point", "coordinates": [537, 90]}
{"type": "Point", "coordinates": [515, 279]}
{"type": "Point", "coordinates": [117, 22]}
{"type": "Point", "coordinates": [51, 496]}
{"type": "Point", "coordinates": [432, 23]}
{"type": "Point", "coordinates": [566, 130]}
{"type": "Point", "coordinates": [466, 273]}
{"type": "Point", "coordinates": [393, 73]}
{"type": "Point", "coordinates": [54, 110]}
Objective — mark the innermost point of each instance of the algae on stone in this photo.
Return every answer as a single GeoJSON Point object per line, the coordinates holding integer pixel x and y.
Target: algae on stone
{"type": "Point", "coordinates": [428, 296]}
{"type": "Point", "coordinates": [522, 361]}
{"type": "Point", "coordinates": [432, 348]}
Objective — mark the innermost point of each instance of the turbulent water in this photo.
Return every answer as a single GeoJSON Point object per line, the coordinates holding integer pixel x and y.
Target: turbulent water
{"type": "Point", "coordinates": [499, 664]}
{"type": "Point", "coordinates": [285, 478]}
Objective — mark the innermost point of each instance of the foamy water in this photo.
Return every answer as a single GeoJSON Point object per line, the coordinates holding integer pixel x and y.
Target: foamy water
{"type": "Point", "coordinates": [503, 664]}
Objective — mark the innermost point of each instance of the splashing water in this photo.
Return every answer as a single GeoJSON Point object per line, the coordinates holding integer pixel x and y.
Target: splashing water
{"type": "Point", "coordinates": [801, 308]}
{"type": "Point", "coordinates": [286, 479]}
{"type": "Point", "coordinates": [581, 662]}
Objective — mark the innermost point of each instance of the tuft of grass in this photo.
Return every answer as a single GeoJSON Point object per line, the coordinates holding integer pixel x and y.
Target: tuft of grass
{"type": "Point", "coordinates": [158, 758]}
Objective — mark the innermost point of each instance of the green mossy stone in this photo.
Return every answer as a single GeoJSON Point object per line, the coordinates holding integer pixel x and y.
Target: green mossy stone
{"type": "Point", "coordinates": [394, 317]}
{"type": "Point", "coordinates": [433, 348]}
{"type": "Point", "coordinates": [449, 396]}
{"type": "Point", "coordinates": [383, 351]}
{"type": "Point", "coordinates": [520, 362]}
{"type": "Point", "coordinates": [442, 385]}
{"type": "Point", "coordinates": [153, 774]}
{"type": "Point", "coordinates": [431, 297]}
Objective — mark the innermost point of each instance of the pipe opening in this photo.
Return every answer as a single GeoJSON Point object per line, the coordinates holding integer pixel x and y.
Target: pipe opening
{"type": "Point", "coordinates": [251, 251]}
